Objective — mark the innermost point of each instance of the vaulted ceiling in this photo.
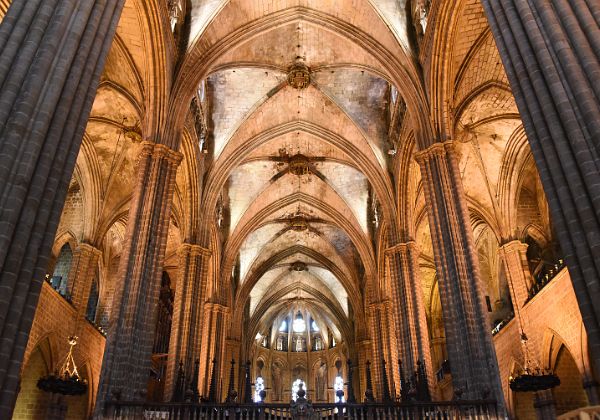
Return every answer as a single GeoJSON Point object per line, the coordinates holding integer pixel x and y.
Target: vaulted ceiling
{"type": "Point", "coordinates": [297, 171]}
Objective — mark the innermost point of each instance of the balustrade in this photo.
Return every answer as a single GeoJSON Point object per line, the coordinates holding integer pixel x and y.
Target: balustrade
{"type": "Point", "coordinates": [449, 410]}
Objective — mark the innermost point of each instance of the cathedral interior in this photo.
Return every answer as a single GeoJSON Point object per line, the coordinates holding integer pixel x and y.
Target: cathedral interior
{"type": "Point", "coordinates": [228, 199]}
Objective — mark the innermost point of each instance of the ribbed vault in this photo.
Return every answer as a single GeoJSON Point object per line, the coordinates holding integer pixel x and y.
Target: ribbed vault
{"type": "Point", "coordinates": [298, 180]}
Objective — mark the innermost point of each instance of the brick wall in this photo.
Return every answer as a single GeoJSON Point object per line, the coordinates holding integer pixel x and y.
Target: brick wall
{"type": "Point", "coordinates": [55, 320]}
{"type": "Point", "coordinates": [551, 319]}
{"type": "Point", "coordinates": [32, 403]}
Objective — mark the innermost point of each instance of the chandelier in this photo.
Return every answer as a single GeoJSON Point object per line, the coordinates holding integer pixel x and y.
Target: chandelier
{"type": "Point", "coordinates": [532, 380]}
{"type": "Point", "coordinates": [66, 381]}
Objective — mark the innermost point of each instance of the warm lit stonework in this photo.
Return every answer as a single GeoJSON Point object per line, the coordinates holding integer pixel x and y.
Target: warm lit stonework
{"type": "Point", "coordinates": [306, 208]}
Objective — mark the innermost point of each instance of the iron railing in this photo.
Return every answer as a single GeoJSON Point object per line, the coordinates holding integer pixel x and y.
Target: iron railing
{"type": "Point", "coordinates": [449, 410]}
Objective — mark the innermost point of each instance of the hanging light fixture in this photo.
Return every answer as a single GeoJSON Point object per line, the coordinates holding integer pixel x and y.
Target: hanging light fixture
{"type": "Point", "coordinates": [66, 381]}
{"type": "Point", "coordinates": [532, 379]}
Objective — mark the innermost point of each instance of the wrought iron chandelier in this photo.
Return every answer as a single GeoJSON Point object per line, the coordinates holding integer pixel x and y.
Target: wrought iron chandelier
{"type": "Point", "coordinates": [66, 381]}
{"type": "Point", "coordinates": [532, 379]}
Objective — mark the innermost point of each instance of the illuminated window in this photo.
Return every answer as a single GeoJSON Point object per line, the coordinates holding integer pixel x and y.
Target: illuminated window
{"type": "Point", "coordinates": [318, 344]}
{"type": "Point", "coordinates": [314, 326]}
{"type": "Point", "coordinates": [296, 387]}
{"type": "Point", "coordinates": [299, 344]}
{"type": "Point", "coordinates": [338, 384]}
{"type": "Point", "coordinates": [299, 325]}
{"type": "Point", "coordinates": [259, 385]}
{"type": "Point", "coordinates": [283, 326]}
{"type": "Point", "coordinates": [279, 345]}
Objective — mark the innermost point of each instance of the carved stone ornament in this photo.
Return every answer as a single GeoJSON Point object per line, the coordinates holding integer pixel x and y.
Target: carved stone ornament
{"type": "Point", "coordinates": [299, 266]}
{"type": "Point", "coordinates": [299, 223]}
{"type": "Point", "coordinates": [299, 76]}
{"type": "Point", "coordinates": [299, 165]}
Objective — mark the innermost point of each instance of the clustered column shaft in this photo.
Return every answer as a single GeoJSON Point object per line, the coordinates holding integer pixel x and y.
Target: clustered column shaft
{"type": "Point", "coordinates": [131, 330]}
{"type": "Point", "coordinates": [551, 54]}
{"type": "Point", "coordinates": [214, 326]}
{"type": "Point", "coordinates": [514, 261]}
{"type": "Point", "coordinates": [82, 273]}
{"type": "Point", "coordinates": [409, 317]}
{"type": "Point", "coordinates": [376, 313]}
{"type": "Point", "coordinates": [469, 342]}
{"type": "Point", "coordinates": [52, 53]}
{"type": "Point", "coordinates": [187, 312]}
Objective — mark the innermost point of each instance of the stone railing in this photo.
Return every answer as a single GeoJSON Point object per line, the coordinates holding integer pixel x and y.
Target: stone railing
{"type": "Point", "coordinates": [450, 410]}
{"type": "Point", "coordinates": [545, 277]}
{"type": "Point", "coordinates": [584, 413]}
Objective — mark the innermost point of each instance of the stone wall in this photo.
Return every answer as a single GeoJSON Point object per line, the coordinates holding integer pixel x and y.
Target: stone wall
{"type": "Point", "coordinates": [55, 320]}
{"type": "Point", "coordinates": [551, 320]}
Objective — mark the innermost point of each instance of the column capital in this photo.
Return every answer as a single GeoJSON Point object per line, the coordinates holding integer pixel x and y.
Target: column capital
{"type": "Point", "coordinates": [380, 304]}
{"type": "Point", "coordinates": [216, 308]}
{"type": "Point", "coordinates": [401, 247]}
{"type": "Point", "coordinates": [438, 148]}
{"type": "Point", "coordinates": [161, 151]}
{"type": "Point", "coordinates": [87, 248]}
{"type": "Point", "coordinates": [194, 250]}
{"type": "Point", "coordinates": [514, 245]}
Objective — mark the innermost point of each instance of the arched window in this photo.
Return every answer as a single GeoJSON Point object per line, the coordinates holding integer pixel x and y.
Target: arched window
{"type": "Point", "coordinates": [279, 345]}
{"type": "Point", "coordinates": [299, 325]}
{"type": "Point", "coordinates": [296, 387]}
{"type": "Point", "coordinates": [299, 344]}
{"type": "Point", "coordinates": [318, 344]}
{"type": "Point", "coordinates": [259, 385]}
{"type": "Point", "coordinates": [313, 326]}
{"type": "Point", "coordinates": [283, 327]}
{"type": "Point", "coordinates": [338, 384]}
{"type": "Point", "coordinates": [60, 276]}
{"type": "Point", "coordinates": [92, 304]}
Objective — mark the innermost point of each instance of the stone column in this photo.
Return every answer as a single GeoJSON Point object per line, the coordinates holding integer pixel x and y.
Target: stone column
{"type": "Point", "coordinates": [550, 51]}
{"type": "Point", "coordinates": [51, 56]}
{"type": "Point", "coordinates": [409, 318]}
{"type": "Point", "coordinates": [214, 326]}
{"type": "Point", "coordinates": [376, 312]}
{"type": "Point", "coordinates": [365, 352]}
{"type": "Point", "coordinates": [468, 336]}
{"type": "Point", "coordinates": [544, 404]}
{"type": "Point", "coordinates": [81, 275]}
{"type": "Point", "coordinates": [392, 345]}
{"type": "Point", "coordinates": [514, 260]}
{"type": "Point", "coordinates": [185, 340]}
{"type": "Point", "coordinates": [233, 350]}
{"type": "Point", "coordinates": [131, 328]}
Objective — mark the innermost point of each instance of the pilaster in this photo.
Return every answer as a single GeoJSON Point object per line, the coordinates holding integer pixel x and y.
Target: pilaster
{"type": "Point", "coordinates": [470, 349]}
{"type": "Point", "coordinates": [131, 328]}
{"type": "Point", "coordinates": [187, 313]}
